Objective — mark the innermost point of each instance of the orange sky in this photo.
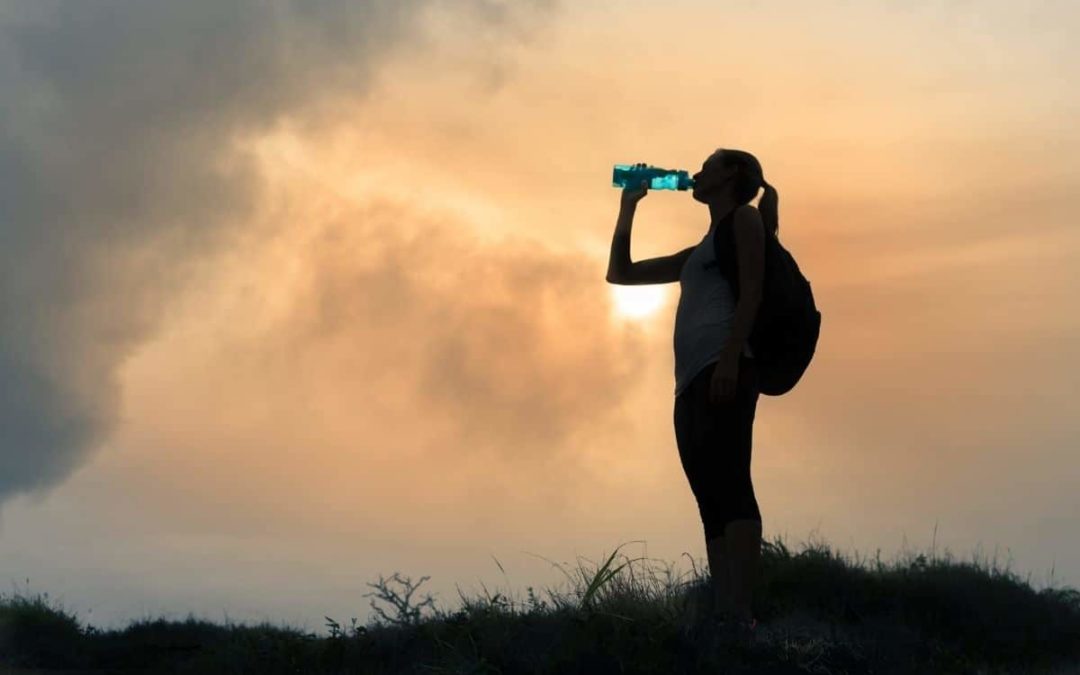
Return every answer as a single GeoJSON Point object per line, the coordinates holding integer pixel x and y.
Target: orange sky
{"type": "Point", "coordinates": [403, 356]}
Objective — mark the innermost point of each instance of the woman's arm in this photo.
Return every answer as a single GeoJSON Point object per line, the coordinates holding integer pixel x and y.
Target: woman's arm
{"type": "Point", "coordinates": [750, 251]}
{"type": "Point", "coordinates": [624, 272]}
{"type": "Point", "coordinates": [619, 262]}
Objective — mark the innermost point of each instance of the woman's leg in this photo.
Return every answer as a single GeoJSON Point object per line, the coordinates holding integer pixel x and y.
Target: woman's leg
{"type": "Point", "coordinates": [744, 556]}
{"type": "Point", "coordinates": [693, 438]}
{"type": "Point", "coordinates": [714, 449]}
{"type": "Point", "coordinates": [742, 534]}
{"type": "Point", "coordinates": [719, 573]}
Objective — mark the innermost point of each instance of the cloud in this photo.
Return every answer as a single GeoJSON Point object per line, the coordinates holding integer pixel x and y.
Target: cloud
{"type": "Point", "coordinates": [380, 354]}
{"type": "Point", "coordinates": [120, 166]}
{"type": "Point", "coordinates": [511, 341]}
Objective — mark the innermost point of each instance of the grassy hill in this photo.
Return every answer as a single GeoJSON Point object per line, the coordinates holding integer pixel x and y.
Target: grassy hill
{"type": "Point", "coordinates": [819, 612]}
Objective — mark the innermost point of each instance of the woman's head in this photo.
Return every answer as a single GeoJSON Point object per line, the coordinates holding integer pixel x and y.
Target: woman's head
{"type": "Point", "coordinates": [735, 176]}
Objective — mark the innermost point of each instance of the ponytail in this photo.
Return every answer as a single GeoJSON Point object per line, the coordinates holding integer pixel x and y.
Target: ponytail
{"type": "Point", "coordinates": [768, 207]}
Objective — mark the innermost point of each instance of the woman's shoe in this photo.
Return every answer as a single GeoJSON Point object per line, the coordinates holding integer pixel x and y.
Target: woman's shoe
{"type": "Point", "coordinates": [741, 630]}
{"type": "Point", "coordinates": [715, 631]}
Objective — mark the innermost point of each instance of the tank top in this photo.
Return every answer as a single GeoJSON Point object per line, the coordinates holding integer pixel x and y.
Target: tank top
{"type": "Point", "coordinates": [705, 315]}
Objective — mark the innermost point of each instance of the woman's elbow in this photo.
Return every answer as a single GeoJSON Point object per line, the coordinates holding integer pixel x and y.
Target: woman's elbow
{"type": "Point", "coordinates": [618, 276]}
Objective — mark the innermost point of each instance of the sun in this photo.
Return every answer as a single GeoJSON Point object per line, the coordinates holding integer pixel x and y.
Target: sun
{"type": "Point", "coordinates": [638, 302]}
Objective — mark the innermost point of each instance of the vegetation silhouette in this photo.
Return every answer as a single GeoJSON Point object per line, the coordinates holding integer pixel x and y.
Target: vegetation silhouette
{"type": "Point", "coordinates": [821, 613]}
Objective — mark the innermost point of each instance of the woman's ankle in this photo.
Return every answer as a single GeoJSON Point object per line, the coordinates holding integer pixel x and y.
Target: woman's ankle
{"type": "Point", "coordinates": [746, 615]}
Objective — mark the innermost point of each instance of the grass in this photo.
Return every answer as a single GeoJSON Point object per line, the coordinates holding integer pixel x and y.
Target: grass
{"type": "Point", "coordinates": [819, 612]}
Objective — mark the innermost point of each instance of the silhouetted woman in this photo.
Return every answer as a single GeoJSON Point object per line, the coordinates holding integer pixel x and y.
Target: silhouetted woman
{"type": "Point", "coordinates": [716, 388]}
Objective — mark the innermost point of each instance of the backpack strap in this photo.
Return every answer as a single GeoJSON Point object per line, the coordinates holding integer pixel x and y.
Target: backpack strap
{"type": "Point", "coordinates": [724, 251]}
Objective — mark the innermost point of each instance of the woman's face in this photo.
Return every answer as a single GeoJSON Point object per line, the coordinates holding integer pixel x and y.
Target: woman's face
{"type": "Point", "coordinates": [711, 177]}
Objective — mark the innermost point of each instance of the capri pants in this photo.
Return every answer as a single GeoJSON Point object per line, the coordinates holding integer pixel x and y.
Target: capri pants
{"type": "Point", "coordinates": [714, 443]}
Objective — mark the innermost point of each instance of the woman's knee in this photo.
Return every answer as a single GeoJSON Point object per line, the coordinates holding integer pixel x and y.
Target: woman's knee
{"type": "Point", "coordinates": [717, 512]}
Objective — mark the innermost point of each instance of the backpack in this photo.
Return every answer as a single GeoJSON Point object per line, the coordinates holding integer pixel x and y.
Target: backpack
{"type": "Point", "coordinates": [785, 331]}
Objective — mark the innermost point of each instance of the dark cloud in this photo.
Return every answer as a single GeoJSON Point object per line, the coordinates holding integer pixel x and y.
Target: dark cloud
{"type": "Point", "coordinates": [119, 165]}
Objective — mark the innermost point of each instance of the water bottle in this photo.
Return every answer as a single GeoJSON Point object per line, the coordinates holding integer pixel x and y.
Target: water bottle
{"type": "Point", "coordinates": [659, 179]}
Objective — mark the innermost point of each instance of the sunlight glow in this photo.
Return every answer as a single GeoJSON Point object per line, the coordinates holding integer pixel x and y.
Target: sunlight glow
{"type": "Point", "coordinates": [638, 302]}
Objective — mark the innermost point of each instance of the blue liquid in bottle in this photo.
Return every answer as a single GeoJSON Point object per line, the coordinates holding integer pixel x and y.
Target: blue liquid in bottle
{"type": "Point", "coordinates": [659, 179]}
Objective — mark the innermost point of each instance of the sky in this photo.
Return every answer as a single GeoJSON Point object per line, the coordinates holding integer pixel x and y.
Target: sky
{"type": "Point", "coordinates": [298, 294]}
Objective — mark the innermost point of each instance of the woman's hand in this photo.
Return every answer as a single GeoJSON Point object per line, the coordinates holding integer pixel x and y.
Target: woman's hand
{"type": "Point", "coordinates": [724, 378]}
{"type": "Point", "coordinates": [631, 196]}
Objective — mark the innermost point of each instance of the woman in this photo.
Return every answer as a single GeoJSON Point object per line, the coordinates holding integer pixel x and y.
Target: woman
{"type": "Point", "coordinates": [715, 377]}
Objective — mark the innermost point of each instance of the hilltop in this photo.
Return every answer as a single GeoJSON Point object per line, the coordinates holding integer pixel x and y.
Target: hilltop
{"type": "Point", "coordinates": [819, 612]}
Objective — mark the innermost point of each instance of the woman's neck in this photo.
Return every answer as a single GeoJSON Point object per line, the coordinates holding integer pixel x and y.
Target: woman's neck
{"type": "Point", "coordinates": [720, 210]}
